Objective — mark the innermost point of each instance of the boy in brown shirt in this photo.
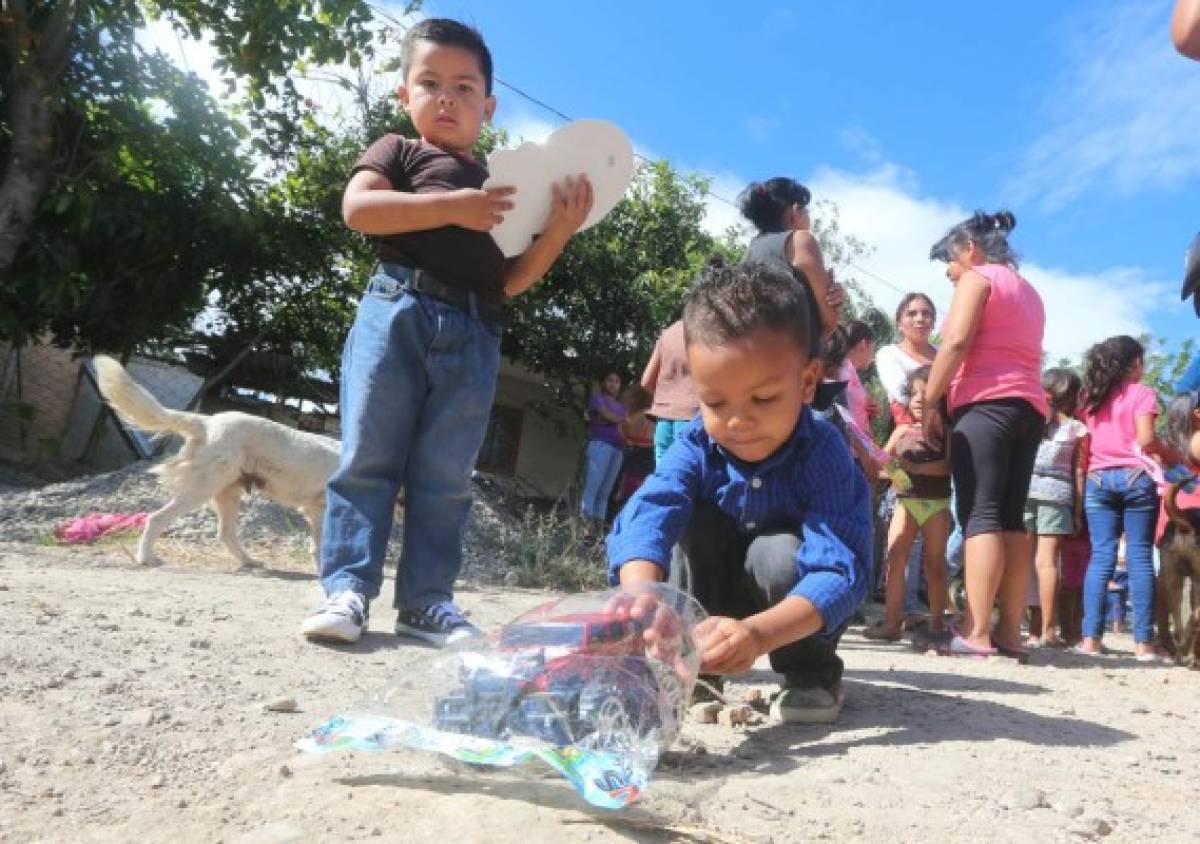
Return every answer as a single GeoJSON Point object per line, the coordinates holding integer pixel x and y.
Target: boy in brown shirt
{"type": "Point", "coordinates": [419, 367]}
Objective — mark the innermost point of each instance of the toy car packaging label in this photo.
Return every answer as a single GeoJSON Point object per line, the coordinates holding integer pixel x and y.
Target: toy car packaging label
{"type": "Point", "coordinates": [593, 685]}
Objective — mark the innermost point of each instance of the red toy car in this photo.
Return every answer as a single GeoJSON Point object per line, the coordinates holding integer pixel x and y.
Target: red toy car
{"type": "Point", "coordinates": [579, 679]}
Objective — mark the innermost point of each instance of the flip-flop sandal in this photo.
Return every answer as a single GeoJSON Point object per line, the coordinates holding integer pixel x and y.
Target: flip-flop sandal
{"type": "Point", "coordinates": [1154, 659]}
{"type": "Point", "coordinates": [1079, 651]}
{"type": "Point", "coordinates": [958, 646]}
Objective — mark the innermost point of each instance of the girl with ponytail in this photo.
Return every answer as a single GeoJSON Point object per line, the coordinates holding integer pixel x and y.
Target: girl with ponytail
{"type": "Point", "coordinates": [778, 208]}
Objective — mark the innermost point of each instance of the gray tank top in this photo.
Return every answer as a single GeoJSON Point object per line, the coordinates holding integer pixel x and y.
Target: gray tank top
{"type": "Point", "coordinates": [771, 249]}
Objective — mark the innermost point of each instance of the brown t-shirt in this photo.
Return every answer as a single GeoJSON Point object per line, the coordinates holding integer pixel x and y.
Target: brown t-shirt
{"type": "Point", "coordinates": [453, 254]}
{"type": "Point", "coordinates": [916, 449]}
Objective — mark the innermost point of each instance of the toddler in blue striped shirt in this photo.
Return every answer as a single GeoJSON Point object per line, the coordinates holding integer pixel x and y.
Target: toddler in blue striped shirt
{"type": "Point", "coordinates": [756, 509]}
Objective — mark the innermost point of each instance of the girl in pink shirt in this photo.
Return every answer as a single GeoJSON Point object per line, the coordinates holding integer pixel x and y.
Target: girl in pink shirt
{"type": "Point", "coordinates": [1120, 496]}
{"type": "Point", "coordinates": [860, 345]}
{"type": "Point", "coordinates": [989, 368]}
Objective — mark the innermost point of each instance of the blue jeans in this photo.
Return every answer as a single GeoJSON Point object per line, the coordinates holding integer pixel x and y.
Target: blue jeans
{"type": "Point", "coordinates": [665, 432]}
{"type": "Point", "coordinates": [603, 466]}
{"type": "Point", "coordinates": [418, 377]}
{"type": "Point", "coordinates": [1114, 606]}
{"type": "Point", "coordinates": [1116, 500]}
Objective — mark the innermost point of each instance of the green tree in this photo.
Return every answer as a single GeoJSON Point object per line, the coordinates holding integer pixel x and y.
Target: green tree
{"type": "Point", "coordinates": [60, 57]}
{"type": "Point", "coordinates": [615, 287]}
{"type": "Point", "coordinates": [1163, 366]}
{"type": "Point", "coordinates": [146, 204]}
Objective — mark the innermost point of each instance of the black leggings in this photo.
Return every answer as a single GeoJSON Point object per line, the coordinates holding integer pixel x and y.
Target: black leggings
{"type": "Point", "coordinates": [992, 450]}
{"type": "Point", "coordinates": [735, 575]}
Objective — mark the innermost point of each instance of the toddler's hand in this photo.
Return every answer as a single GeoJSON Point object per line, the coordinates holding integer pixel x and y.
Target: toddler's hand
{"type": "Point", "coordinates": [661, 626]}
{"type": "Point", "coordinates": [727, 646]}
{"type": "Point", "coordinates": [479, 210]}
{"type": "Point", "coordinates": [570, 205]}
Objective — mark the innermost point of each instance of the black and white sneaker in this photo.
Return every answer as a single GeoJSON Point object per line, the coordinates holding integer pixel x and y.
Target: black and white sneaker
{"type": "Point", "coordinates": [341, 618]}
{"type": "Point", "coordinates": [442, 624]}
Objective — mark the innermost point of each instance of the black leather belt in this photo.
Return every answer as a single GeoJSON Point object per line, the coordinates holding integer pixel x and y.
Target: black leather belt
{"type": "Point", "coordinates": [420, 281]}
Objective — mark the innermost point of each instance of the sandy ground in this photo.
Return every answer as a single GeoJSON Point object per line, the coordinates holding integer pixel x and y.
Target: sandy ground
{"type": "Point", "coordinates": [131, 709]}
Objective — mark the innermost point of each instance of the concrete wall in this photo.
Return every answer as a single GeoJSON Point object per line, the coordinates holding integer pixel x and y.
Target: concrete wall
{"type": "Point", "coordinates": [39, 379]}
{"type": "Point", "coordinates": [552, 438]}
{"type": "Point", "coordinates": [68, 423]}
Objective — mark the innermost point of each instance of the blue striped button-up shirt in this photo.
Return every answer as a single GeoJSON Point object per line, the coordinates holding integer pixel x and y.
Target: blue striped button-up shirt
{"type": "Point", "coordinates": [810, 486]}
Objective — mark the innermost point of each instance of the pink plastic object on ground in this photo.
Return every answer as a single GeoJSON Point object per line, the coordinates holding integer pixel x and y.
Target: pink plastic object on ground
{"type": "Point", "coordinates": [91, 527]}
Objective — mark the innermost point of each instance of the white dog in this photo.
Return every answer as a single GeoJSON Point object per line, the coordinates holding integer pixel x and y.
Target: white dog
{"type": "Point", "coordinates": [224, 455]}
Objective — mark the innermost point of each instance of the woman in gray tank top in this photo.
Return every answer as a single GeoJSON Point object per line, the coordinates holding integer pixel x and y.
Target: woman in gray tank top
{"type": "Point", "coordinates": [778, 208]}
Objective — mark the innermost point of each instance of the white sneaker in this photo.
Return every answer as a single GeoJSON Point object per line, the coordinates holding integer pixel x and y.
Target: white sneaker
{"type": "Point", "coordinates": [341, 618]}
{"type": "Point", "coordinates": [808, 705]}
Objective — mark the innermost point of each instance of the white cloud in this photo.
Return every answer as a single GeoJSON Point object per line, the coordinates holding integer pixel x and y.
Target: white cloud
{"type": "Point", "coordinates": [1121, 117]}
{"type": "Point", "coordinates": [761, 128]}
{"type": "Point", "coordinates": [720, 205]}
{"type": "Point", "coordinates": [524, 127]}
{"type": "Point", "coordinates": [886, 210]}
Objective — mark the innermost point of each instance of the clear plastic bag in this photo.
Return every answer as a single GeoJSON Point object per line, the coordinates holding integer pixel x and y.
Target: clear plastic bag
{"type": "Point", "coordinates": [594, 685]}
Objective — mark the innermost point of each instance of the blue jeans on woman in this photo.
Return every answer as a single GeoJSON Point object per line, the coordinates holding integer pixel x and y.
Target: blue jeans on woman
{"type": "Point", "coordinates": [603, 466]}
{"type": "Point", "coordinates": [1120, 500]}
{"type": "Point", "coordinates": [418, 377]}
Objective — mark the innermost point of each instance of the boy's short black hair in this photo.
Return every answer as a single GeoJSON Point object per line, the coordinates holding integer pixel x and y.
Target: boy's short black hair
{"type": "Point", "coordinates": [447, 33]}
{"type": "Point", "coordinates": [731, 301]}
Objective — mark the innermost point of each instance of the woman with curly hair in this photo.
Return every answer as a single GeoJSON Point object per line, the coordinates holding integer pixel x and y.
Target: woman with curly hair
{"type": "Point", "coordinates": [1120, 496]}
{"type": "Point", "coordinates": [989, 370]}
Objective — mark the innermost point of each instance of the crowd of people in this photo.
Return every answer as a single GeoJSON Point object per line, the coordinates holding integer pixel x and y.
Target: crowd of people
{"type": "Point", "coordinates": [752, 472]}
{"type": "Point", "coordinates": [1026, 483]}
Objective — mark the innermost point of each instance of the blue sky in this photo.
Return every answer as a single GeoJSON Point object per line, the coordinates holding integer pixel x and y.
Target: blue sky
{"type": "Point", "coordinates": [1078, 116]}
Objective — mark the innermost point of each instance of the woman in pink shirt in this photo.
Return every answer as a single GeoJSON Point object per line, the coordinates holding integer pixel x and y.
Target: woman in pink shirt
{"type": "Point", "coordinates": [988, 367]}
{"type": "Point", "coordinates": [1120, 496]}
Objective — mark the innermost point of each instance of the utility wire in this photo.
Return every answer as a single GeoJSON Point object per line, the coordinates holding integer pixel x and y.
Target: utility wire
{"type": "Point", "coordinates": [542, 104]}
{"type": "Point", "coordinates": [707, 192]}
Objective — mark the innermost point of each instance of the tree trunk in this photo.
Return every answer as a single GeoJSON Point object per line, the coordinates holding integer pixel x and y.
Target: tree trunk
{"type": "Point", "coordinates": [39, 58]}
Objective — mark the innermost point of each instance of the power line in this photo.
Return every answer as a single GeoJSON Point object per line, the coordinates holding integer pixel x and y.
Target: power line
{"type": "Point", "coordinates": [707, 192]}
{"type": "Point", "coordinates": [540, 103]}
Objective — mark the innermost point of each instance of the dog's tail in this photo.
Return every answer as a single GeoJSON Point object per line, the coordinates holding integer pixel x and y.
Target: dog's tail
{"type": "Point", "coordinates": [136, 406]}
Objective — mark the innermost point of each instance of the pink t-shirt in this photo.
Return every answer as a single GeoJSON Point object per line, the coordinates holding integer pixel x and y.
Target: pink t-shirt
{"type": "Point", "coordinates": [1005, 357]}
{"type": "Point", "coordinates": [1114, 426]}
{"type": "Point", "coordinates": [856, 397]}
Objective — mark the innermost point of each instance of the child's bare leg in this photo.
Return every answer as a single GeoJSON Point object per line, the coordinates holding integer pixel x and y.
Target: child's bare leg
{"type": "Point", "coordinates": [1035, 613]}
{"type": "Point", "coordinates": [1048, 548]}
{"type": "Point", "coordinates": [901, 534]}
{"type": "Point", "coordinates": [1075, 603]}
{"type": "Point", "coordinates": [936, 531]}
